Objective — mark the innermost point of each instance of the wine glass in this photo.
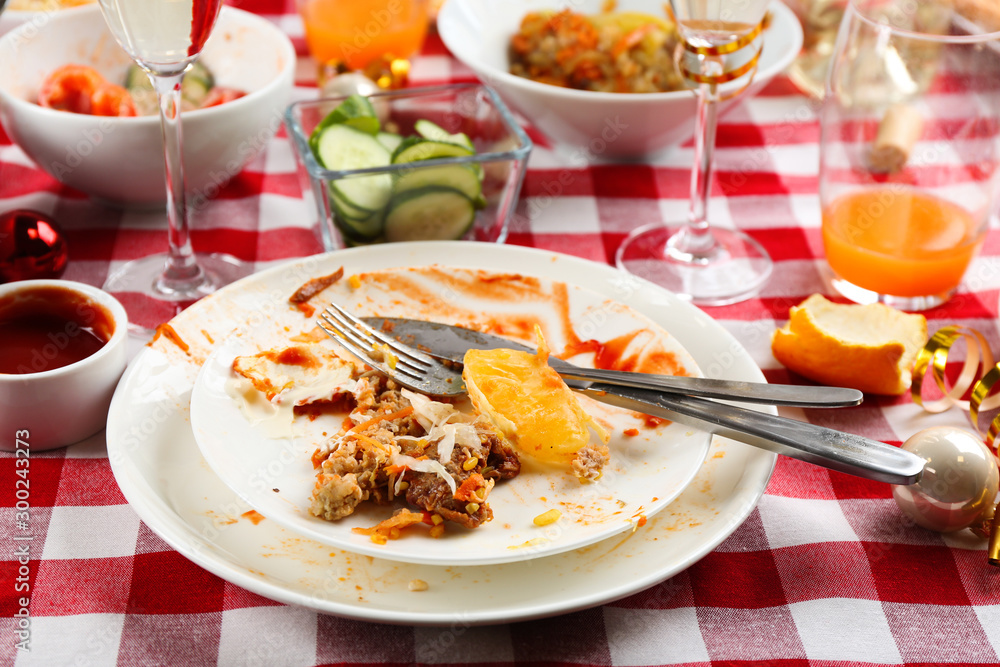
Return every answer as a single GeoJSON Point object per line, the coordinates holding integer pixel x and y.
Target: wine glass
{"type": "Point", "coordinates": [164, 37]}
{"type": "Point", "coordinates": [722, 41]}
{"type": "Point", "coordinates": [909, 151]}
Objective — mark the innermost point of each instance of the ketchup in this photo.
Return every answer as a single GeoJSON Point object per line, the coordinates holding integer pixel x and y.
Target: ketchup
{"type": "Point", "coordinates": [50, 327]}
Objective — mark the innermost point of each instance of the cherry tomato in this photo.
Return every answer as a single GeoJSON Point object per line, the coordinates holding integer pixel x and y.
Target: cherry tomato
{"type": "Point", "coordinates": [220, 95]}
{"type": "Point", "coordinates": [111, 100]}
{"type": "Point", "coordinates": [70, 88]}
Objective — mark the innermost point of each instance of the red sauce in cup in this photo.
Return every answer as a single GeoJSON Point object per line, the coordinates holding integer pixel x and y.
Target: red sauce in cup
{"type": "Point", "coordinates": [44, 328]}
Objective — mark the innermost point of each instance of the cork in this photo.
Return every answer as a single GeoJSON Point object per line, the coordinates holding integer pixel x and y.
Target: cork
{"type": "Point", "coordinates": [898, 133]}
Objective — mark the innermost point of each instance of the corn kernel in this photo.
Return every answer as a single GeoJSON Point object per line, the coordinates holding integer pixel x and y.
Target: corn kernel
{"type": "Point", "coordinates": [472, 508]}
{"type": "Point", "coordinates": [437, 531]}
{"type": "Point", "coordinates": [394, 533]}
{"type": "Point", "coordinates": [417, 585]}
{"type": "Point", "coordinates": [470, 463]}
{"type": "Point", "coordinates": [378, 538]}
{"type": "Point", "coordinates": [354, 281]}
{"type": "Point", "coordinates": [437, 519]}
{"type": "Point", "coordinates": [545, 518]}
{"type": "Point", "coordinates": [403, 486]}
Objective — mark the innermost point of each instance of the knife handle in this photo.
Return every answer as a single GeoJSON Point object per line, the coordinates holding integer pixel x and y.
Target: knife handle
{"type": "Point", "coordinates": [821, 446]}
{"type": "Point", "coordinates": [744, 392]}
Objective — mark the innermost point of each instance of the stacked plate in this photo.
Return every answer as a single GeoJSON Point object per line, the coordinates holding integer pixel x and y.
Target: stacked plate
{"type": "Point", "coordinates": [202, 475]}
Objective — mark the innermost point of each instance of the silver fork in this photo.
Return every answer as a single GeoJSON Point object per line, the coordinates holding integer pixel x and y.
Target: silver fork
{"type": "Point", "coordinates": [808, 442]}
{"type": "Point", "coordinates": [406, 365]}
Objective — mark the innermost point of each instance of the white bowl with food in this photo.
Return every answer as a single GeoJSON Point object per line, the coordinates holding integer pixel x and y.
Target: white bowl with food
{"type": "Point", "coordinates": [120, 159]}
{"type": "Point", "coordinates": [594, 123]}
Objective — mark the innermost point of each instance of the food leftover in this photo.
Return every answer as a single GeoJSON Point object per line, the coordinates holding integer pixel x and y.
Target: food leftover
{"type": "Point", "coordinates": [617, 52]}
{"type": "Point", "coordinates": [532, 406]}
{"type": "Point", "coordinates": [82, 89]}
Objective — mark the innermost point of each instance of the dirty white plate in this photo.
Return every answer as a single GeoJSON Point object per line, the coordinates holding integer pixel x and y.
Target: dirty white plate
{"type": "Point", "coordinates": [648, 468]}
{"type": "Point", "coordinates": [161, 472]}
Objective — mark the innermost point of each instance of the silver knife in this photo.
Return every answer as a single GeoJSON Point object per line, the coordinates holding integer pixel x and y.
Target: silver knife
{"type": "Point", "coordinates": [836, 450]}
{"type": "Point", "coordinates": [451, 342]}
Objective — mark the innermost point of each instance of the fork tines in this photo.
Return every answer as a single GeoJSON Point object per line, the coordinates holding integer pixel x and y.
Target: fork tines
{"type": "Point", "coordinates": [365, 342]}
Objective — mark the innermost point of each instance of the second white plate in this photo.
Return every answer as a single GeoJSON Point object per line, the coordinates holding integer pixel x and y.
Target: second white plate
{"type": "Point", "coordinates": [650, 464]}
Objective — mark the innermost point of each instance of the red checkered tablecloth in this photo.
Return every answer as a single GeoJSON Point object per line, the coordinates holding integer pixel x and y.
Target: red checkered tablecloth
{"type": "Point", "coordinates": [825, 571]}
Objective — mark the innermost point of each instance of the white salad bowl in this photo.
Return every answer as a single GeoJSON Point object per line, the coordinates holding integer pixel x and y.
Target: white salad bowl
{"type": "Point", "coordinates": [594, 124]}
{"type": "Point", "coordinates": [120, 160]}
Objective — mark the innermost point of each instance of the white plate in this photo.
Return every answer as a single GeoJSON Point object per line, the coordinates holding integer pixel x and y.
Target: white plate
{"type": "Point", "coordinates": [159, 469]}
{"type": "Point", "coordinates": [275, 476]}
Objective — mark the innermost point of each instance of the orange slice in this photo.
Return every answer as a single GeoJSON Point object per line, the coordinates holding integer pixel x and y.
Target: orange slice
{"type": "Point", "coordinates": [529, 403]}
{"type": "Point", "coordinates": [871, 347]}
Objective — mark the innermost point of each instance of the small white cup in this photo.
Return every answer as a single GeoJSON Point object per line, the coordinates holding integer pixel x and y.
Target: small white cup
{"type": "Point", "coordinates": [54, 408]}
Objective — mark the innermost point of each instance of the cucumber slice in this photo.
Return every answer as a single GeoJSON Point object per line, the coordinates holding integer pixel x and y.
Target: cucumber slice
{"type": "Point", "coordinates": [459, 177]}
{"type": "Point", "coordinates": [197, 83]}
{"type": "Point", "coordinates": [365, 229]}
{"type": "Point", "coordinates": [389, 140]}
{"type": "Point", "coordinates": [347, 210]}
{"type": "Point", "coordinates": [342, 148]}
{"type": "Point", "coordinates": [356, 112]}
{"type": "Point", "coordinates": [357, 223]}
{"type": "Point", "coordinates": [413, 149]}
{"type": "Point", "coordinates": [430, 130]}
{"type": "Point", "coordinates": [429, 214]}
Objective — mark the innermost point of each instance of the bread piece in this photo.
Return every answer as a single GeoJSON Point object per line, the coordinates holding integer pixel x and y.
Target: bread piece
{"type": "Point", "coordinates": [870, 348]}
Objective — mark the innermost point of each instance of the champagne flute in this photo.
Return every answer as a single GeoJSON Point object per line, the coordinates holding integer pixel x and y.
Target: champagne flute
{"type": "Point", "coordinates": [708, 265]}
{"type": "Point", "coordinates": [164, 37]}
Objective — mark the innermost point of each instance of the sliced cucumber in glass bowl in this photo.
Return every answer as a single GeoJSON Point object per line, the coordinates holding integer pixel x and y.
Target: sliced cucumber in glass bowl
{"type": "Point", "coordinates": [403, 203]}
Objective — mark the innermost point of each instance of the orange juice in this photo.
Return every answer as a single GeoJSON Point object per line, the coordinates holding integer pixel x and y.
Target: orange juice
{"type": "Point", "coordinates": [900, 243]}
{"type": "Point", "coordinates": [360, 31]}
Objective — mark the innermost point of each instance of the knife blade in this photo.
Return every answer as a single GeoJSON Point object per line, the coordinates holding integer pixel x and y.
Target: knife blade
{"type": "Point", "coordinates": [836, 450]}
{"type": "Point", "coordinates": [451, 342]}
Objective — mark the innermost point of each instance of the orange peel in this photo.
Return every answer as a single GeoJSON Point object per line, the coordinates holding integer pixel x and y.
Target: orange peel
{"type": "Point", "coordinates": [871, 347]}
{"type": "Point", "coordinates": [529, 402]}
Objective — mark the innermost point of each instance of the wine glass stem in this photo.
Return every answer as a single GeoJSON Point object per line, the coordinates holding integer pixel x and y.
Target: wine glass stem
{"type": "Point", "coordinates": [697, 238]}
{"type": "Point", "coordinates": [181, 273]}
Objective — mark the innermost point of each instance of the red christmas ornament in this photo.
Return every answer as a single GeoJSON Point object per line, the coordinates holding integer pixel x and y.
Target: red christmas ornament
{"type": "Point", "coordinates": [31, 246]}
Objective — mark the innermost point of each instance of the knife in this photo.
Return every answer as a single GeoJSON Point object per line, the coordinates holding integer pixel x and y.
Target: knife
{"type": "Point", "coordinates": [451, 342]}
{"type": "Point", "coordinates": [836, 450]}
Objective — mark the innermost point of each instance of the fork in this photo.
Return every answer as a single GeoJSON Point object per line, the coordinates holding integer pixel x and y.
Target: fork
{"type": "Point", "coordinates": [808, 442]}
{"type": "Point", "coordinates": [406, 365]}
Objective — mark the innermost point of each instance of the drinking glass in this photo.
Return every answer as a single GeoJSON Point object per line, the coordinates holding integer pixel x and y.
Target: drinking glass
{"type": "Point", "coordinates": [708, 265]}
{"type": "Point", "coordinates": [358, 32]}
{"type": "Point", "coordinates": [909, 150]}
{"type": "Point", "coordinates": [164, 37]}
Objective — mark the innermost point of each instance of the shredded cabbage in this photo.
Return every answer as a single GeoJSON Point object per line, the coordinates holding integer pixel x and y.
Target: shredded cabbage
{"type": "Point", "coordinates": [436, 418]}
{"type": "Point", "coordinates": [425, 465]}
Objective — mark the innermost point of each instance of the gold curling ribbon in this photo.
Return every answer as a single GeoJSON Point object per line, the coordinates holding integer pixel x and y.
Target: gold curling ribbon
{"type": "Point", "coordinates": [934, 356]}
{"type": "Point", "coordinates": [725, 77]}
{"type": "Point", "coordinates": [993, 548]}
{"type": "Point", "coordinates": [725, 49]}
{"type": "Point", "coordinates": [729, 47]}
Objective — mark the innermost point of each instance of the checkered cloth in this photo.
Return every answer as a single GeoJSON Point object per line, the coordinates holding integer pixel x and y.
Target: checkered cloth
{"type": "Point", "coordinates": [825, 571]}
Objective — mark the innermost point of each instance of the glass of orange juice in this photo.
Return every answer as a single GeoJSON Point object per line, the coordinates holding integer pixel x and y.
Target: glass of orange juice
{"type": "Point", "coordinates": [910, 150]}
{"type": "Point", "coordinates": [357, 32]}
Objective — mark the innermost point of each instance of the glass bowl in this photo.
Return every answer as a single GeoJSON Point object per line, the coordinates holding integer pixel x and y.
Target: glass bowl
{"type": "Point", "coordinates": [501, 155]}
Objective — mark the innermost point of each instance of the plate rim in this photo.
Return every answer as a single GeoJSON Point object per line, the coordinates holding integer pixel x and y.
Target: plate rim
{"type": "Point", "coordinates": [180, 535]}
